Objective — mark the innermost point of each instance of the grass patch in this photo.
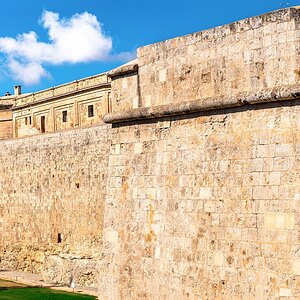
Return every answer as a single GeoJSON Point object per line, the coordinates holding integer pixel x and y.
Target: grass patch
{"type": "Point", "coordinates": [15, 291]}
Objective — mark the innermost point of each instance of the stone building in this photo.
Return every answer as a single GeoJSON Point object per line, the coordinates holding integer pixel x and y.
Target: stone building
{"type": "Point", "coordinates": [75, 104]}
{"type": "Point", "coordinates": [188, 189]}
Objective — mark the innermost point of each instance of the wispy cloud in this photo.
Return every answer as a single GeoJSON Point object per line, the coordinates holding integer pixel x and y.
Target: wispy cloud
{"type": "Point", "coordinates": [75, 40]}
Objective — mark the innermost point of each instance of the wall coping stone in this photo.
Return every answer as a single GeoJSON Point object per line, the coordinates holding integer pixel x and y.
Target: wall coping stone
{"type": "Point", "coordinates": [206, 104]}
{"type": "Point", "coordinates": [130, 67]}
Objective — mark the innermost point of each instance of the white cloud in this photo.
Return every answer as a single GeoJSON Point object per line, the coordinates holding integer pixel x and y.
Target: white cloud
{"type": "Point", "coordinates": [74, 40]}
{"type": "Point", "coordinates": [28, 73]}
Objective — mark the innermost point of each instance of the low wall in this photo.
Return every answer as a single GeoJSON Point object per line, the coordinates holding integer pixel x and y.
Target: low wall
{"type": "Point", "coordinates": [52, 190]}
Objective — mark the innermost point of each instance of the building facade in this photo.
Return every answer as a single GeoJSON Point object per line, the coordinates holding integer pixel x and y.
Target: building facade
{"type": "Point", "coordinates": [75, 104]}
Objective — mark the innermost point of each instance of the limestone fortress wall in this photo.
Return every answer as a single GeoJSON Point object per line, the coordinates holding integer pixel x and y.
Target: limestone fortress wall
{"type": "Point", "coordinates": [52, 190]}
{"type": "Point", "coordinates": [191, 190]}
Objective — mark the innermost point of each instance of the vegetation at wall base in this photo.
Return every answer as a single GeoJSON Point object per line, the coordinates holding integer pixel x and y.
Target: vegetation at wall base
{"type": "Point", "coordinates": [39, 294]}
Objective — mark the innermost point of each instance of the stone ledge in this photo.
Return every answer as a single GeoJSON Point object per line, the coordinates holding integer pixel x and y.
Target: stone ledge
{"type": "Point", "coordinates": [128, 68]}
{"type": "Point", "coordinates": [206, 104]}
{"type": "Point", "coordinates": [6, 120]}
{"type": "Point", "coordinates": [59, 91]}
{"type": "Point", "coordinates": [59, 96]}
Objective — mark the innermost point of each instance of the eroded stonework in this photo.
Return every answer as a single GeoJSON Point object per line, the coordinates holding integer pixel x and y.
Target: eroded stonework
{"type": "Point", "coordinates": [206, 206]}
{"type": "Point", "coordinates": [192, 188]}
{"type": "Point", "coordinates": [53, 185]}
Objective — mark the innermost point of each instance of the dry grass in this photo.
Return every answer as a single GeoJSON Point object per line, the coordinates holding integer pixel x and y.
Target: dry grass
{"type": "Point", "coordinates": [6, 284]}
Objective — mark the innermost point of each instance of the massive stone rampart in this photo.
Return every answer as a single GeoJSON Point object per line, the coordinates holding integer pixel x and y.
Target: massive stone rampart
{"type": "Point", "coordinates": [205, 206]}
{"type": "Point", "coordinates": [193, 191]}
{"type": "Point", "coordinates": [52, 191]}
{"type": "Point", "coordinates": [204, 167]}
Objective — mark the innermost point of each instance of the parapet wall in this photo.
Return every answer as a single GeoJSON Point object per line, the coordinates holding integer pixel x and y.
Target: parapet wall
{"type": "Point", "coordinates": [249, 61]}
{"type": "Point", "coordinates": [247, 56]}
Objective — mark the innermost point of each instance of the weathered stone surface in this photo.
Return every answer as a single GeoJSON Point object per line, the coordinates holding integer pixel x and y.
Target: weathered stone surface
{"type": "Point", "coordinates": [192, 193]}
{"type": "Point", "coordinates": [203, 197]}
{"type": "Point", "coordinates": [6, 124]}
{"type": "Point", "coordinates": [233, 62]}
{"type": "Point", "coordinates": [276, 94]}
{"type": "Point", "coordinates": [128, 68]}
{"type": "Point", "coordinates": [246, 56]}
{"type": "Point", "coordinates": [125, 94]}
{"type": "Point", "coordinates": [49, 185]}
{"type": "Point", "coordinates": [204, 206]}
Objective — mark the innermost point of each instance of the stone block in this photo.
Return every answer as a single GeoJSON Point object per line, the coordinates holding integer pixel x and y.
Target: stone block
{"type": "Point", "coordinates": [163, 75]}
{"type": "Point", "coordinates": [280, 221]}
{"type": "Point", "coordinates": [285, 292]}
{"type": "Point", "coordinates": [296, 267]}
{"type": "Point", "coordinates": [219, 259]}
{"type": "Point", "coordinates": [117, 149]}
{"type": "Point", "coordinates": [205, 193]}
{"type": "Point", "coordinates": [138, 148]}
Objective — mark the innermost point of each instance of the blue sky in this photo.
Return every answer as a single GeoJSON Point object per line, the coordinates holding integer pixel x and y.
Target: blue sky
{"type": "Point", "coordinates": [124, 26]}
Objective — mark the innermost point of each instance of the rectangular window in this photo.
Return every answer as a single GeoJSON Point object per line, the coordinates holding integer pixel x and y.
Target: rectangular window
{"type": "Point", "coordinates": [30, 120]}
{"type": "Point", "coordinates": [64, 116]}
{"type": "Point", "coordinates": [90, 111]}
{"type": "Point", "coordinates": [26, 121]}
{"type": "Point", "coordinates": [43, 124]}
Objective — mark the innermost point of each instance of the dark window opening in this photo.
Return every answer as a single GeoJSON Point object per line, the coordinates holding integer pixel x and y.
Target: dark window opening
{"type": "Point", "coordinates": [77, 185]}
{"type": "Point", "coordinates": [59, 238]}
{"type": "Point", "coordinates": [43, 124]}
{"type": "Point", "coordinates": [90, 111]}
{"type": "Point", "coordinates": [64, 116]}
{"type": "Point", "coordinates": [28, 120]}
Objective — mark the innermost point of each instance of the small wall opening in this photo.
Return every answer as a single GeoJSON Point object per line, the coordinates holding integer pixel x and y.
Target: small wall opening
{"type": "Point", "coordinates": [59, 238]}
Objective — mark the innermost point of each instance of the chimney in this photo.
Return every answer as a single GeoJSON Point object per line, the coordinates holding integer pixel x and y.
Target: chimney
{"type": "Point", "coordinates": [17, 90]}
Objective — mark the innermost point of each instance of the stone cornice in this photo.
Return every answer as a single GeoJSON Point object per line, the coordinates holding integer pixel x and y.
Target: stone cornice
{"type": "Point", "coordinates": [68, 89]}
{"type": "Point", "coordinates": [206, 104]}
{"type": "Point", "coordinates": [59, 96]}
